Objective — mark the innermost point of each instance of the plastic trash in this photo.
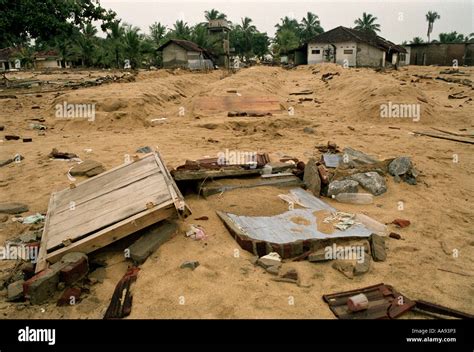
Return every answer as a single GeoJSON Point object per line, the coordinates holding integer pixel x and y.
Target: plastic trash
{"type": "Point", "coordinates": [373, 225]}
{"type": "Point", "coordinates": [354, 198]}
{"type": "Point", "coordinates": [196, 233]}
{"type": "Point", "coordinates": [33, 219]}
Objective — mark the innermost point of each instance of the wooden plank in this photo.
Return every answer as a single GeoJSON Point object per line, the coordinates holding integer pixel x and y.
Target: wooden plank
{"type": "Point", "coordinates": [106, 182]}
{"type": "Point", "coordinates": [41, 263]}
{"type": "Point", "coordinates": [109, 201]}
{"type": "Point", "coordinates": [189, 175]}
{"type": "Point", "coordinates": [445, 136]}
{"type": "Point", "coordinates": [454, 133]}
{"type": "Point", "coordinates": [104, 214]}
{"type": "Point", "coordinates": [284, 181]}
{"type": "Point", "coordinates": [116, 232]}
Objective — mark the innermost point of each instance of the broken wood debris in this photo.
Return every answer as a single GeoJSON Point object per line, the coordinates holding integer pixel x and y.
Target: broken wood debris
{"type": "Point", "coordinates": [121, 303]}
{"type": "Point", "coordinates": [108, 207]}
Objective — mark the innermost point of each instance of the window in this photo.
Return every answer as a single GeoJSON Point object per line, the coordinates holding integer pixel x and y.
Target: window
{"type": "Point", "coordinates": [348, 51]}
{"type": "Point", "coordinates": [315, 51]}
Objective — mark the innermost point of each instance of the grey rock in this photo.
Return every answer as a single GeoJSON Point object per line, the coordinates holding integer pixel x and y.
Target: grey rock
{"type": "Point", "coordinates": [13, 208]}
{"type": "Point", "coordinates": [15, 291]}
{"type": "Point", "coordinates": [190, 264]}
{"type": "Point", "coordinates": [371, 181]}
{"type": "Point", "coordinates": [318, 256]}
{"type": "Point", "coordinates": [151, 240]}
{"type": "Point", "coordinates": [28, 237]}
{"type": "Point", "coordinates": [343, 186]}
{"type": "Point", "coordinates": [274, 270]}
{"type": "Point", "coordinates": [344, 267]}
{"type": "Point", "coordinates": [43, 287]}
{"type": "Point", "coordinates": [356, 158]}
{"type": "Point", "coordinates": [98, 275]}
{"type": "Point", "coordinates": [362, 268]}
{"type": "Point", "coordinates": [309, 130]}
{"type": "Point", "coordinates": [377, 246]}
{"type": "Point", "coordinates": [400, 166]}
{"type": "Point", "coordinates": [311, 178]}
{"type": "Point", "coordinates": [87, 168]}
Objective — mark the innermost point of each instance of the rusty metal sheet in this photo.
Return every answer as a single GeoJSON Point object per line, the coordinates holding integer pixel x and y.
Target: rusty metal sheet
{"type": "Point", "coordinates": [384, 303]}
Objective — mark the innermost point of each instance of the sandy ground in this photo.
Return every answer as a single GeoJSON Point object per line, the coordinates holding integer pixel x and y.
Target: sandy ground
{"type": "Point", "coordinates": [227, 284]}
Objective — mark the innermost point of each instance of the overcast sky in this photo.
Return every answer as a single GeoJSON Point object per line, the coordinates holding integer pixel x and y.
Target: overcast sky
{"type": "Point", "coordinates": [399, 20]}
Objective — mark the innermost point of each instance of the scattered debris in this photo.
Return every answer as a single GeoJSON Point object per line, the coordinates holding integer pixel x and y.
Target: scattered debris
{"type": "Point", "coordinates": [401, 223]}
{"type": "Point", "coordinates": [151, 239]}
{"type": "Point", "coordinates": [384, 302]}
{"type": "Point", "coordinates": [112, 205]}
{"type": "Point", "coordinates": [371, 181]}
{"type": "Point", "coordinates": [61, 155]}
{"type": "Point", "coordinates": [248, 114]}
{"type": "Point", "coordinates": [202, 218]}
{"type": "Point", "coordinates": [457, 95]}
{"type": "Point", "coordinates": [272, 259]}
{"type": "Point", "coordinates": [196, 232]}
{"type": "Point", "coordinates": [97, 276]}
{"type": "Point", "coordinates": [340, 220]}
{"type": "Point", "coordinates": [11, 137]}
{"type": "Point", "coordinates": [311, 178]}
{"type": "Point", "coordinates": [289, 234]}
{"type": "Point", "coordinates": [121, 302]}
{"type": "Point", "coordinates": [425, 306]}
{"type": "Point", "coordinates": [343, 186]}
{"type": "Point", "coordinates": [33, 219]}
{"type": "Point", "coordinates": [27, 139]}
{"type": "Point", "coordinates": [13, 208]}
{"type": "Point", "coordinates": [331, 160]}
{"type": "Point", "coordinates": [357, 303]}
{"type": "Point", "coordinates": [15, 291]}
{"type": "Point", "coordinates": [145, 150]}
{"type": "Point", "coordinates": [395, 236]}
{"type": "Point", "coordinates": [362, 267]}
{"type": "Point", "coordinates": [309, 130]}
{"type": "Point", "coordinates": [445, 136]}
{"type": "Point", "coordinates": [377, 248]}
{"type": "Point", "coordinates": [345, 267]}
{"type": "Point", "coordinates": [402, 168]}
{"type": "Point", "coordinates": [329, 75]}
{"type": "Point", "coordinates": [87, 168]}
{"type": "Point", "coordinates": [70, 296]}
{"type": "Point", "coordinates": [190, 264]}
{"type": "Point", "coordinates": [302, 92]}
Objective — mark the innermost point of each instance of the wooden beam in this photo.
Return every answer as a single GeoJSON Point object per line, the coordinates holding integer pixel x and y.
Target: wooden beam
{"type": "Point", "coordinates": [285, 181]}
{"type": "Point", "coordinates": [445, 136]}
{"type": "Point", "coordinates": [192, 175]}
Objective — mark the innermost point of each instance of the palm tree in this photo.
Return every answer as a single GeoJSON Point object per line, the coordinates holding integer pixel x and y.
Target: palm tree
{"type": "Point", "coordinates": [288, 23]}
{"type": "Point", "coordinates": [367, 23]}
{"type": "Point", "coordinates": [248, 30]}
{"type": "Point", "coordinates": [214, 15]}
{"type": "Point", "coordinates": [115, 37]}
{"type": "Point", "coordinates": [417, 40]}
{"type": "Point", "coordinates": [132, 43]}
{"type": "Point", "coordinates": [86, 44]}
{"type": "Point", "coordinates": [286, 40]}
{"type": "Point", "coordinates": [453, 37]}
{"type": "Point", "coordinates": [180, 30]}
{"type": "Point", "coordinates": [310, 27]}
{"type": "Point", "coordinates": [431, 17]}
{"type": "Point", "coordinates": [157, 33]}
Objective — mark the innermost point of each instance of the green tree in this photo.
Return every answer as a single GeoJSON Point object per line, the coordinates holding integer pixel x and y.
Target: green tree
{"type": "Point", "coordinates": [288, 23]}
{"type": "Point", "coordinates": [248, 30]}
{"type": "Point", "coordinates": [86, 44]}
{"type": "Point", "coordinates": [115, 36]}
{"type": "Point", "coordinates": [310, 27]}
{"type": "Point", "coordinates": [286, 40]}
{"type": "Point", "coordinates": [452, 37]}
{"type": "Point", "coordinates": [214, 15]}
{"type": "Point", "coordinates": [133, 46]}
{"type": "Point", "coordinates": [21, 20]}
{"type": "Point", "coordinates": [260, 44]}
{"type": "Point", "coordinates": [367, 23]}
{"type": "Point", "coordinates": [157, 33]}
{"type": "Point", "coordinates": [417, 40]}
{"type": "Point", "coordinates": [180, 30]}
{"type": "Point", "coordinates": [431, 17]}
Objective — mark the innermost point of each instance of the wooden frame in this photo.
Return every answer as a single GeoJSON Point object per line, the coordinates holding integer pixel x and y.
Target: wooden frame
{"type": "Point", "coordinates": [113, 205]}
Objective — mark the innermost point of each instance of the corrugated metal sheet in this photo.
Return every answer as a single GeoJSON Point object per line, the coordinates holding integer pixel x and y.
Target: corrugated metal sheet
{"type": "Point", "coordinates": [280, 229]}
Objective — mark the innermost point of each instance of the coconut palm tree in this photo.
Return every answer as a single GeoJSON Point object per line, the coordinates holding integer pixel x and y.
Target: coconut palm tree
{"type": "Point", "coordinates": [367, 23]}
{"type": "Point", "coordinates": [248, 30]}
{"type": "Point", "coordinates": [417, 40]}
{"type": "Point", "coordinates": [157, 33]}
{"type": "Point", "coordinates": [86, 44]}
{"type": "Point", "coordinates": [115, 36]}
{"type": "Point", "coordinates": [310, 26]}
{"type": "Point", "coordinates": [214, 15]}
{"type": "Point", "coordinates": [132, 45]}
{"type": "Point", "coordinates": [431, 17]}
{"type": "Point", "coordinates": [180, 30]}
{"type": "Point", "coordinates": [453, 37]}
{"type": "Point", "coordinates": [288, 23]}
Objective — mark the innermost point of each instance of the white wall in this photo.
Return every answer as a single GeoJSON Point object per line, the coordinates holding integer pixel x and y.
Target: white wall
{"type": "Point", "coordinates": [315, 57]}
